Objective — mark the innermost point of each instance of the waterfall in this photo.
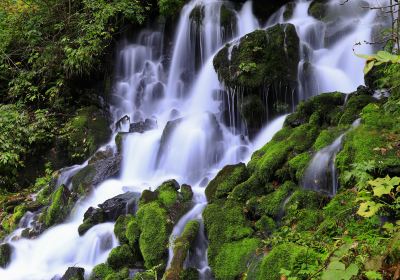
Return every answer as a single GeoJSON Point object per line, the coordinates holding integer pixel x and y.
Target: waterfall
{"type": "Point", "coordinates": [321, 173]}
{"type": "Point", "coordinates": [189, 142]}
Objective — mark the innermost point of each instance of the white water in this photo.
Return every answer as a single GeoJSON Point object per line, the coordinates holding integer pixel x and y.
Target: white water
{"type": "Point", "coordinates": [199, 145]}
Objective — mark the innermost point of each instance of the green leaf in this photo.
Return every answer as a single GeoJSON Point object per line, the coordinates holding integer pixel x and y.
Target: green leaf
{"type": "Point", "coordinates": [373, 275]}
{"type": "Point", "coordinates": [336, 265]}
{"type": "Point", "coordinates": [369, 66]}
{"type": "Point", "coordinates": [351, 271]}
{"type": "Point", "coordinates": [381, 190]}
{"type": "Point", "coordinates": [368, 209]}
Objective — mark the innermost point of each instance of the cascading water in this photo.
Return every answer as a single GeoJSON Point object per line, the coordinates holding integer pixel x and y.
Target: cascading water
{"type": "Point", "coordinates": [188, 141]}
{"type": "Point", "coordinates": [321, 173]}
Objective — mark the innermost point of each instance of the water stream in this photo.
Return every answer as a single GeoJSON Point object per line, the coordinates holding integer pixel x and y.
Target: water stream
{"type": "Point", "coordinates": [190, 143]}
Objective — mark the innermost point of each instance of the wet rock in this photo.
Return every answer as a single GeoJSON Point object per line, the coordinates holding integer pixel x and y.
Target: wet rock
{"type": "Point", "coordinates": [142, 126]}
{"type": "Point", "coordinates": [109, 211]}
{"type": "Point", "coordinates": [95, 173]}
{"type": "Point", "coordinates": [5, 254]}
{"type": "Point", "coordinates": [74, 273]}
{"type": "Point", "coordinates": [158, 92]}
{"type": "Point", "coordinates": [61, 205]}
{"type": "Point", "coordinates": [101, 155]}
{"type": "Point", "coordinates": [260, 74]}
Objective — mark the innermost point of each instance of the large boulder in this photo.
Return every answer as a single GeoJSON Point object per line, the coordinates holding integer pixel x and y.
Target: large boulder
{"type": "Point", "coordinates": [261, 71]}
{"type": "Point", "coordinates": [109, 211]}
{"type": "Point", "coordinates": [95, 172]}
{"type": "Point", "coordinates": [74, 273]}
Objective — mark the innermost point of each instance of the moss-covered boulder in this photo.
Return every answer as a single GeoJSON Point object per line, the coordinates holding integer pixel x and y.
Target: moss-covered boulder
{"type": "Point", "coordinates": [318, 9]}
{"type": "Point", "coordinates": [85, 133]}
{"type": "Point", "coordinates": [155, 229]}
{"type": "Point", "coordinates": [121, 256]}
{"type": "Point", "coordinates": [109, 211]}
{"type": "Point", "coordinates": [96, 172]}
{"type": "Point", "coordinates": [181, 246]}
{"type": "Point", "coordinates": [62, 202]}
{"type": "Point", "coordinates": [224, 223]}
{"type": "Point", "coordinates": [264, 61]}
{"type": "Point", "coordinates": [226, 180]}
{"type": "Point", "coordinates": [74, 273]}
{"type": "Point", "coordinates": [287, 256]}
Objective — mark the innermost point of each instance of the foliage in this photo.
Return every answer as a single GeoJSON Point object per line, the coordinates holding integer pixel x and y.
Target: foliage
{"type": "Point", "coordinates": [381, 195]}
{"type": "Point", "coordinates": [379, 58]}
{"type": "Point", "coordinates": [170, 7]}
{"type": "Point", "coordinates": [22, 133]}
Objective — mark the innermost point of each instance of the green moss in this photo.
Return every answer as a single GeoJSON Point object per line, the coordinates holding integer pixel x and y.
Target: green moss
{"type": "Point", "coordinates": [181, 247]}
{"type": "Point", "coordinates": [121, 226]}
{"type": "Point", "coordinates": [122, 274]}
{"type": "Point", "coordinates": [170, 8]}
{"type": "Point", "coordinates": [101, 271]}
{"type": "Point", "coordinates": [232, 259]}
{"type": "Point", "coordinates": [288, 13]}
{"type": "Point", "coordinates": [318, 9]}
{"type": "Point", "coordinates": [224, 223]}
{"type": "Point", "coordinates": [266, 225]}
{"type": "Point", "coordinates": [227, 17]}
{"type": "Point", "coordinates": [354, 106]}
{"type": "Point", "coordinates": [61, 205]}
{"type": "Point", "coordinates": [287, 256]}
{"type": "Point", "coordinates": [326, 137]}
{"type": "Point", "coordinates": [271, 204]}
{"type": "Point", "coordinates": [298, 165]}
{"type": "Point", "coordinates": [132, 232]}
{"type": "Point", "coordinates": [253, 110]}
{"type": "Point", "coordinates": [187, 193]}
{"type": "Point", "coordinates": [82, 180]}
{"type": "Point", "coordinates": [120, 257]}
{"type": "Point", "coordinates": [168, 197]}
{"type": "Point", "coordinates": [153, 241]}
{"type": "Point", "coordinates": [273, 54]}
{"type": "Point", "coordinates": [323, 106]}
{"type": "Point", "coordinates": [226, 180]}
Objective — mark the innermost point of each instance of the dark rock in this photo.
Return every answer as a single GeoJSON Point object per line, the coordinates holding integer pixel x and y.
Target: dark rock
{"type": "Point", "coordinates": [5, 254]}
{"type": "Point", "coordinates": [158, 91]}
{"type": "Point", "coordinates": [142, 126]}
{"type": "Point", "coordinates": [95, 173]}
{"type": "Point", "coordinates": [100, 155]}
{"type": "Point", "coordinates": [74, 273]}
{"type": "Point", "coordinates": [109, 211]}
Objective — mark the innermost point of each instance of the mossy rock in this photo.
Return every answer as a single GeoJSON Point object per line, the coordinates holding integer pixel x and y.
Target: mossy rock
{"type": "Point", "coordinates": [288, 13]}
{"type": "Point", "coordinates": [298, 165]}
{"type": "Point", "coordinates": [85, 133]}
{"type": "Point", "coordinates": [232, 259]}
{"type": "Point", "coordinates": [322, 106]}
{"type": "Point", "coordinates": [121, 256]}
{"type": "Point", "coordinates": [354, 106]}
{"type": "Point", "coordinates": [181, 246]}
{"type": "Point", "coordinates": [261, 58]}
{"type": "Point", "coordinates": [224, 223]}
{"type": "Point", "coordinates": [186, 192]}
{"type": "Point", "coordinates": [101, 271]}
{"type": "Point", "coordinates": [61, 205]}
{"type": "Point", "coordinates": [226, 180]}
{"type": "Point", "coordinates": [197, 15]}
{"type": "Point", "coordinates": [272, 204]}
{"type": "Point", "coordinates": [327, 137]}
{"type": "Point", "coordinates": [227, 17]}
{"type": "Point", "coordinates": [266, 225]}
{"type": "Point", "coordinates": [318, 9]}
{"type": "Point", "coordinates": [287, 256]}
{"type": "Point", "coordinates": [154, 236]}
{"type": "Point", "coordinates": [120, 227]}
